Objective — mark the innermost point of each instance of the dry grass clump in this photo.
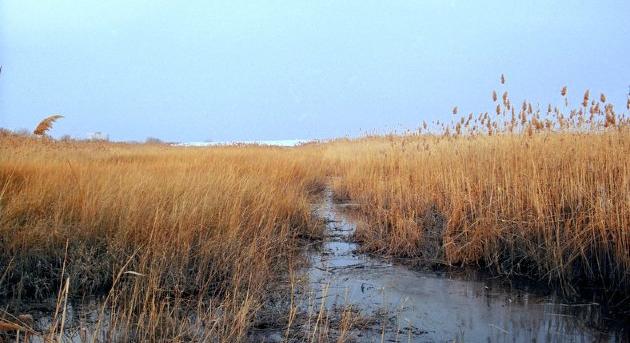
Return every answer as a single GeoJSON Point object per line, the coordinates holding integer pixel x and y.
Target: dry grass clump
{"type": "Point", "coordinates": [522, 192]}
{"type": "Point", "coordinates": [183, 241]}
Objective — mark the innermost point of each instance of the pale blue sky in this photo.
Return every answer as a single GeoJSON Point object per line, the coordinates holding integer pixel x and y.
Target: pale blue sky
{"type": "Point", "coordinates": [196, 70]}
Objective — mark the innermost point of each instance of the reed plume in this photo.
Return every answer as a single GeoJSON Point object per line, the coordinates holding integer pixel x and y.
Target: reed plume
{"type": "Point", "coordinates": [586, 96]}
{"type": "Point", "coordinates": [46, 124]}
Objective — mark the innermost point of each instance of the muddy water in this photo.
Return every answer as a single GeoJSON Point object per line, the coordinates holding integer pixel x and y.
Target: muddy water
{"type": "Point", "coordinates": [430, 307]}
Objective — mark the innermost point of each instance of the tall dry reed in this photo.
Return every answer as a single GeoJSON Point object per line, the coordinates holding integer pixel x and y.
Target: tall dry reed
{"type": "Point", "coordinates": [524, 192]}
{"type": "Point", "coordinates": [182, 243]}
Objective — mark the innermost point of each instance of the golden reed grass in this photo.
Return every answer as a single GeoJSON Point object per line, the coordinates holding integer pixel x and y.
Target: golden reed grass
{"type": "Point", "coordinates": [184, 241]}
{"type": "Point", "coordinates": [46, 124]}
{"type": "Point", "coordinates": [542, 195]}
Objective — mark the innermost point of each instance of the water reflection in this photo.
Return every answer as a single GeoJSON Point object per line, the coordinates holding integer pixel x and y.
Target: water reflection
{"type": "Point", "coordinates": [446, 307]}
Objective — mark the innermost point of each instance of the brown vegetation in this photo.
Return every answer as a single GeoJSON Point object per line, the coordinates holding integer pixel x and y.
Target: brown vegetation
{"type": "Point", "coordinates": [184, 242]}
{"type": "Point", "coordinates": [522, 192]}
{"type": "Point", "coordinates": [46, 124]}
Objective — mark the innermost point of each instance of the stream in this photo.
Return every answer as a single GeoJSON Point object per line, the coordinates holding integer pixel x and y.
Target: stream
{"type": "Point", "coordinates": [401, 304]}
{"type": "Point", "coordinates": [430, 306]}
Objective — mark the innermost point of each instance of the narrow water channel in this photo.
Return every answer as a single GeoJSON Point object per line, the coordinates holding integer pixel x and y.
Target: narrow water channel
{"type": "Point", "coordinates": [441, 307]}
{"type": "Point", "coordinates": [413, 306]}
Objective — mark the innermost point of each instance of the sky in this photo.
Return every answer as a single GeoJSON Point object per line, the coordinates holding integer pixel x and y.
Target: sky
{"type": "Point", "coordinates": [245, 70]}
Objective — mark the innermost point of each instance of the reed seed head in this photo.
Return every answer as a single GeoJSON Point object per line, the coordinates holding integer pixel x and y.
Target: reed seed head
{"type": "Point", "coordinates": [586, 96]}
{"type": "Point", "coordinates": [46, 124]}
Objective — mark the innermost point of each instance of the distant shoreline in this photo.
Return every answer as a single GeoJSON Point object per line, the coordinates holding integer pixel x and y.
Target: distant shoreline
{"type": "Point", "coordinates": [279, 142]}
